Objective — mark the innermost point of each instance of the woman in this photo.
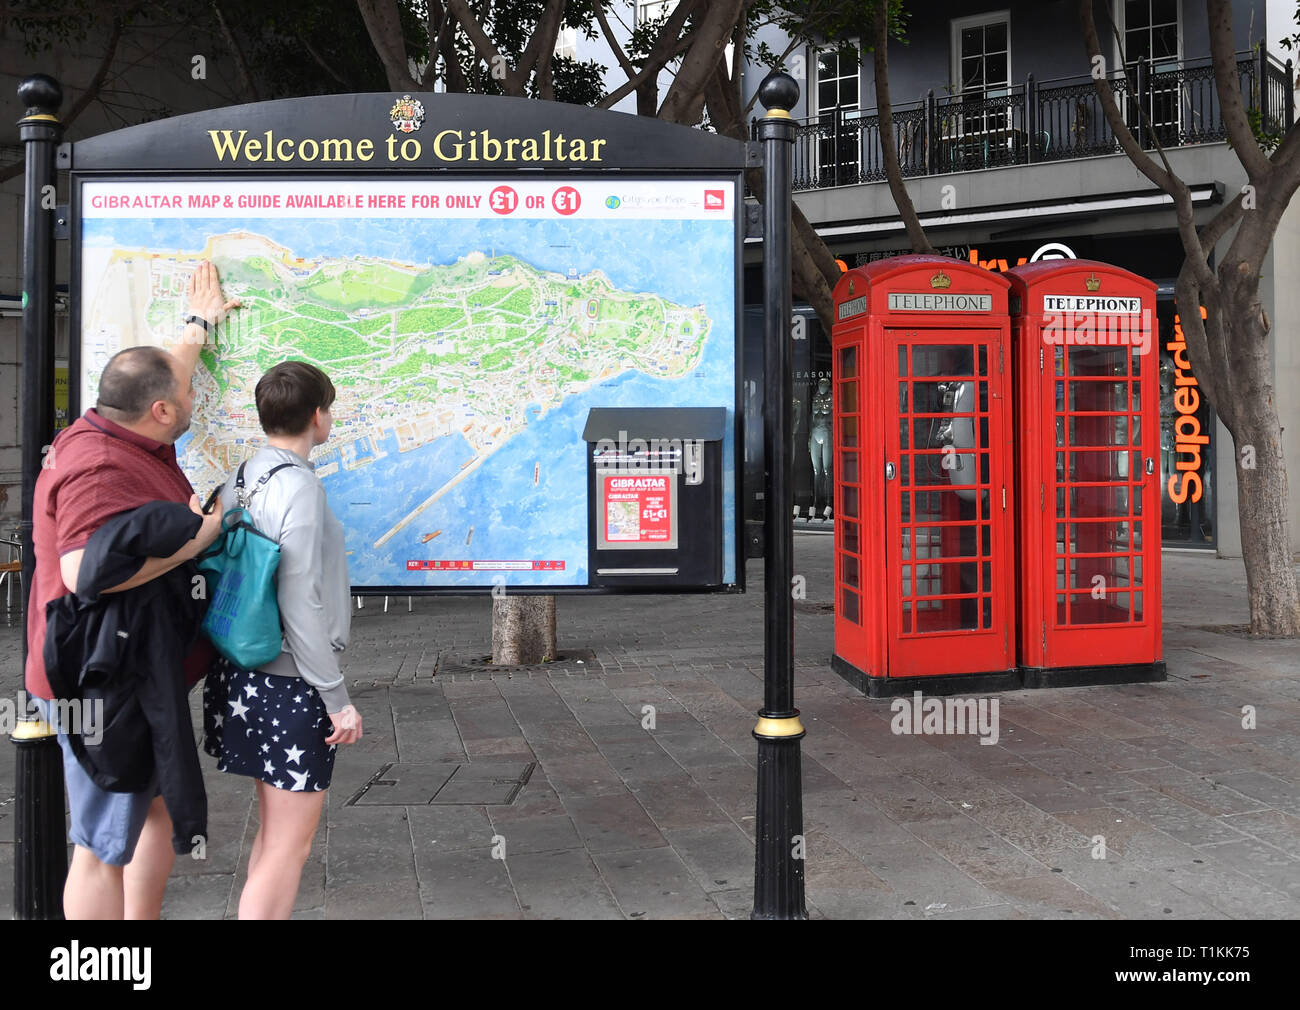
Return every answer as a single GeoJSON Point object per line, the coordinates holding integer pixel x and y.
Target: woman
{"type": "Point", "coordinates": [282, 723]}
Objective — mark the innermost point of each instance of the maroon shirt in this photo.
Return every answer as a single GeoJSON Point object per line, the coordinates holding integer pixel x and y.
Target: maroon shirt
{"type": "Point", "coordinates": [94, 470]}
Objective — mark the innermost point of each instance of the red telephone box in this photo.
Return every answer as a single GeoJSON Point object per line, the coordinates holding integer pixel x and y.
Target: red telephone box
{"type": "Point", "coordinates": [1087, 380]}
{"type": "Point", "coordinates": [923, 466]}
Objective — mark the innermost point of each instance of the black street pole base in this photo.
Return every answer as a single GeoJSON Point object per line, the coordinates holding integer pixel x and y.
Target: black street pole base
{"type": "Point", "coordinates": [779, 847]}
{"type": "Point", "coordinates": [40, 833]}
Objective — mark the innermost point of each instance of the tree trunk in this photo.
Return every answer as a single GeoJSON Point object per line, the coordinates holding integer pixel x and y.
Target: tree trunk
{"type": "Point", "coordinates": [1262, 492]}
{"type": "Point", "coordinates": [1262, 503]}
{"type": "Point", "coordinates": [523, 630]}
{"type": "Point", "coordinates": [809, 258]}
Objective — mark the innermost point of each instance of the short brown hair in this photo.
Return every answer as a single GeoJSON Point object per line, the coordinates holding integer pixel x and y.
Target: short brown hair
{"type": "Point", "coordinates": [289, 394]}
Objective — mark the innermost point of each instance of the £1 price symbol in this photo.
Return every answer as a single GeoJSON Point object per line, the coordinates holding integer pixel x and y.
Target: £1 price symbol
{"type": "Point", "coordinates": [566, 200]}
{"type": "Point", "coordinates": [503, 200]}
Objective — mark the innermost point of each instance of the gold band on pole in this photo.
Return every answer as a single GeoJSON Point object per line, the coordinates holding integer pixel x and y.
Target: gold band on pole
{"type": "Point", "coordinates": [789, 726]}
{"type": "Point", "coordinates": [777, 114]}
{"type": "Point", "coordinates": [32, 729]}
{"type": "Point", "coordinates": [38, 116]}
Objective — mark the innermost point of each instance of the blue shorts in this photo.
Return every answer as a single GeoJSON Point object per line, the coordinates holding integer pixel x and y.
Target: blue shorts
{"type": "Point", "coordinates": [106, 823]}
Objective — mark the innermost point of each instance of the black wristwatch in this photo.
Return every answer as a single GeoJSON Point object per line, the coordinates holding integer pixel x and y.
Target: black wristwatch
{"type": "Point", "coordinates": [192, 318]}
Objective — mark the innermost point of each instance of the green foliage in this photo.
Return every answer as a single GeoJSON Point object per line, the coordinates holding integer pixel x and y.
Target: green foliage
{"type": "Point", "coordinates": [1268, 131]}
{"type": "Point", "coordinates": [43, 25]}
{"type": "Point", "coordinates": [574, 82]}
{"type": "Point", "coordinates": [816, 23]}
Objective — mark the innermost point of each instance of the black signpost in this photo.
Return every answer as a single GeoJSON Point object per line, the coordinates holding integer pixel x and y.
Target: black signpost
{"type": "Point", "coordinates": [40, 857]}
{"type": "Point", "coordinates": [349, 147]}
{"type": "Point", "coordinates": [779, 848]}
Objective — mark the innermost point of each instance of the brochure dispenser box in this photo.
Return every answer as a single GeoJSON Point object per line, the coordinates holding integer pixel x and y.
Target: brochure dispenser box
{"type": "Point", "coordinates": [654, 497]}
{"type": "Point", "coordinates": [923, 471]}
{"type": "Point", "coordinates": [1088, 388]}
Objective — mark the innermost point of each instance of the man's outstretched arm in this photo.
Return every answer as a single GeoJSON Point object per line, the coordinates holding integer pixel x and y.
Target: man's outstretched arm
{"type": "Point", "coordinates": [205, 300]}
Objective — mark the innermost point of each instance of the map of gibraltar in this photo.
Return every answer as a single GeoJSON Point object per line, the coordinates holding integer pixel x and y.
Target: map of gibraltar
{"type": "Point", "coordinates": [466, 355]}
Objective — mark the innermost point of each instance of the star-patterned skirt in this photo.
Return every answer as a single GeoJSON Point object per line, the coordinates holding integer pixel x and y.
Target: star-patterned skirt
{"type": "Point", "coordinates": [272, 728]}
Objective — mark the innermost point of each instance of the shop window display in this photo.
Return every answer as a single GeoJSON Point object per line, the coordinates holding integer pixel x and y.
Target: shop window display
{"type": "Point", "coordinates": [812, 407]}
{"type": "Point", "coordinates": [1187, 441]}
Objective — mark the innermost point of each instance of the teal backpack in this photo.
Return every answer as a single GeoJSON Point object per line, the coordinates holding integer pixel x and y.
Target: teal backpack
{"type": "Point", "coordinates": [243, 617]}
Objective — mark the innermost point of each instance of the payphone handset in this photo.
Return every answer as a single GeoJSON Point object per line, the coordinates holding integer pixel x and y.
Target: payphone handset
{"type": "Point", "coordinates": [958, 433]}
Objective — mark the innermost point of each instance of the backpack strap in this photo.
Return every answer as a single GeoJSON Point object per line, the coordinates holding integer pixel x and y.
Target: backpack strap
{"type": "Point", "coordinates": [243, 499]}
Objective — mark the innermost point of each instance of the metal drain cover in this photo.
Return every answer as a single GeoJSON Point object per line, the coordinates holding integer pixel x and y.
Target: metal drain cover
{"type": "Point", "coordinates": [475, 783]}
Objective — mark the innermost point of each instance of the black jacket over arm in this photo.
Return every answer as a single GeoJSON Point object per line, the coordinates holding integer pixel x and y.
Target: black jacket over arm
{"type": "Point", "coordinates": [127, 650]}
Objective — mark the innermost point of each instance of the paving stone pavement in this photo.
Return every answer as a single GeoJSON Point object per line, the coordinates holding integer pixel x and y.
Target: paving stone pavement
{"type": "Point", "coordinates": [1199, 817]}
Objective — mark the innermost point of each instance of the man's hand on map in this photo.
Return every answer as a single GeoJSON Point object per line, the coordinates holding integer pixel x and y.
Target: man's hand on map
{"type": "Point", "coordinates": [205, 297]}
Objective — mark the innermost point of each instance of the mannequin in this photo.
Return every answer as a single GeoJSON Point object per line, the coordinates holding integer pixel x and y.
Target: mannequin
{"type": "Point", "coordinates": [796, 426]}
{"type": "Point", "coordinates": [819, 447]}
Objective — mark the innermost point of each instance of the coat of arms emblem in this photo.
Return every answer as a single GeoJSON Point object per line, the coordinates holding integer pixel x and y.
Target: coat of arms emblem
{"type": "Point", "coordinates": [407, 114]}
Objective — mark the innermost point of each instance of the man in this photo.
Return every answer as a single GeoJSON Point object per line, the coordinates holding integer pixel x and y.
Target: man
{"type": "Point", "coordinates": [118, 456]}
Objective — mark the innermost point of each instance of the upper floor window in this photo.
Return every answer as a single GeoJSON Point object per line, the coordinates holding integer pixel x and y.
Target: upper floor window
{"type": "Point", "coordinates": [981, 53]}
{"type": "Point", "coordinates": [566, 43]}
{"type": "Point", "coordinates": [1152, 40]}
{"type": "Point", "coordinates": [1151, 33]}
{"type": "Point", "coordinates": [653, 9]}
{"type": "Point", "coordinates": [837, 88]}
{"type": "Point", "coordinates": [981, 73]}
{"type": "Point", "coordinates": [837, 79]}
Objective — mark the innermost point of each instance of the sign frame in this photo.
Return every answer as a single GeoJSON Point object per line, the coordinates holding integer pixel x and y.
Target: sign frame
{"type": "Point", "coordinates": [638, 149]}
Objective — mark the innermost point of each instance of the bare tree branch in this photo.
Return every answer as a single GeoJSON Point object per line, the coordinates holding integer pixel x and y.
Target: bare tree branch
{"type": "Point", "coordinates": [1228, 86]}
{"type": "Point", "coordinates": [666, 48]}
{"type": "Point", "coordinates": [1141, 160]}
{"type": "Point", "coordinates": [1162, 177]}
{"type": "Point", "coordinates": [320, 61]}
{"type": "Point", "coordinates": [794, 44]}
{"type": "Point", "coordinates": [385, 27]}
{"type": "Point", "coordinates": [814, 270]}
{"type": "Point", "coordinates": [442, 42]}
{"type": "Point", "coordinates": [1218, 225]}
{"type": "Point", "coordinates": [101, 74]}
{"type": "Point", "coordinates": [89, 95]}
{"type": "Point", "coordinates": [541, 48]}
{"type": "Point", "coordinates": [237, 53]}
{"type": "Point", "coordinates": [483, 45]}
{"type": "Point", "coordinates": [709, 40]}
{"type": "Point", "coordinates": [611, 41]}
{"type": "Point", "coordinates": [1255, 237]}
{"type": "Point", "coordinates": [893, 171]}
{"type": "Point", "coordinates": [1216, 380]}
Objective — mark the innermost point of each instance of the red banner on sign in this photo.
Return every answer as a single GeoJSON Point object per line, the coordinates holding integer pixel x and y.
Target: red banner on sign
{"type": "Point", "coordinates": [485, 566]}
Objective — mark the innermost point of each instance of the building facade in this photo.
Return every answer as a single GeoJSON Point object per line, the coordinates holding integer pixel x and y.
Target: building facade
{"type": "Point", "coordinates": [1008, 159]}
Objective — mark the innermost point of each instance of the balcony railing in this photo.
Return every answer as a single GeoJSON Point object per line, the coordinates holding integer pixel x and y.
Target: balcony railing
{"type": "Point", "coordinates": [1038, 122]}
